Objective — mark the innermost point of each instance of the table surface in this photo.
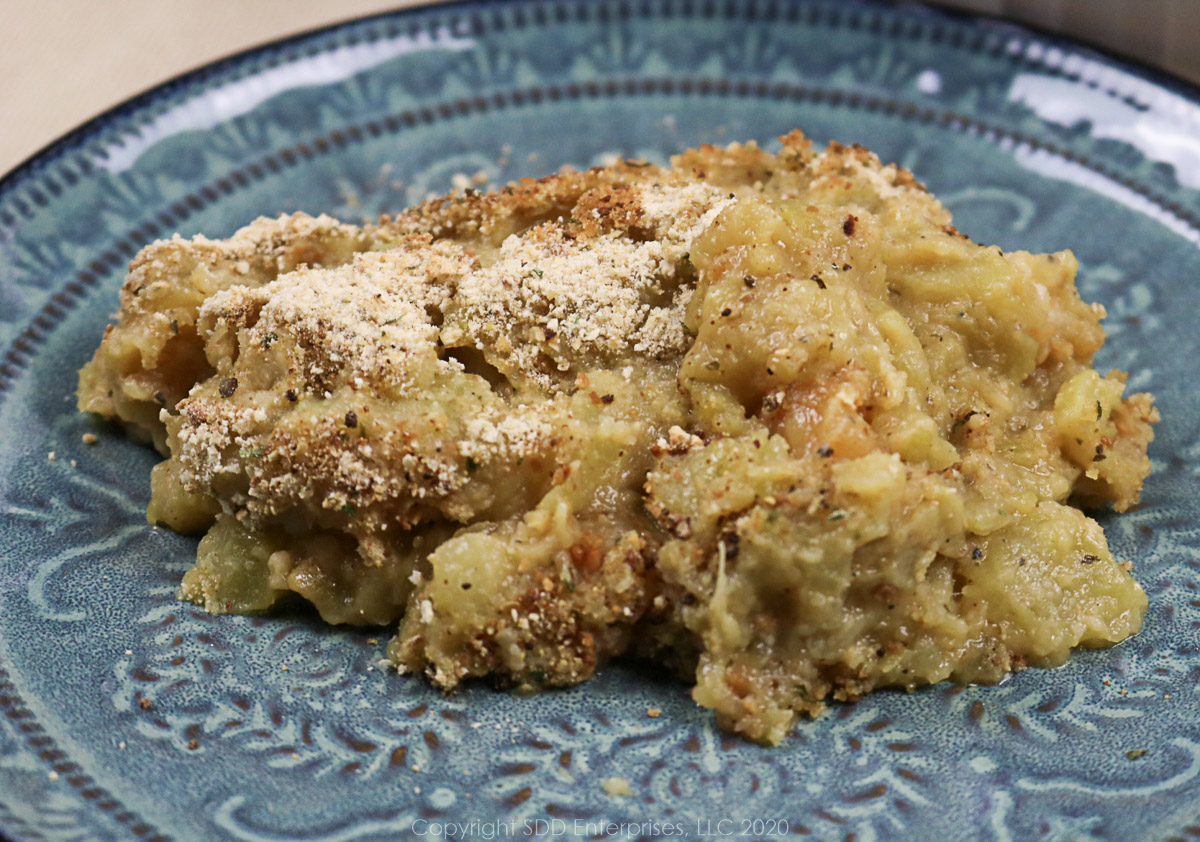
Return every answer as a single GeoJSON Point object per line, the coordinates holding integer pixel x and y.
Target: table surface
{"type": "Point", "coordinates": [65, 61]}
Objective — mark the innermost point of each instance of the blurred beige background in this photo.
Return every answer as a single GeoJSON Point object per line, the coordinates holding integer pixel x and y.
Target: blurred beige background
{"type": "Point", "coordinates": [64, 61]}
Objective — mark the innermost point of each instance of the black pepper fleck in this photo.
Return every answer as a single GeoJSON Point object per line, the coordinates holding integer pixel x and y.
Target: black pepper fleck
{"type": "Point", "coordinates": [227, 387]}
{"type": "Point", "coordinates": [351, 418]}
{"type": "Point", "coordinates": [731, 542]}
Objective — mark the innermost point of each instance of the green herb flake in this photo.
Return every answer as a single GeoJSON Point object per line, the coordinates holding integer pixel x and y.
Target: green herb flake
{"type": "Point", "coordinates": [349, 508]}
{"type": "Point", "coordinates": [1137, 753]}
{"type": "Point", "coordinates": [251, 453]}
{"type": "Point", "coordinates": [537, 272]}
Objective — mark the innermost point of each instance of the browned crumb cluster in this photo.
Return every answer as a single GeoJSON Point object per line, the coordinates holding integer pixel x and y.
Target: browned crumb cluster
{"type": "Point", "coordinates": [768, 419]}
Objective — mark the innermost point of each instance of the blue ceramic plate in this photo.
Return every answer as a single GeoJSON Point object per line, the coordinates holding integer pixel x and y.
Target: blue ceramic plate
{"type": "Point", "coordinates": [127, 715]}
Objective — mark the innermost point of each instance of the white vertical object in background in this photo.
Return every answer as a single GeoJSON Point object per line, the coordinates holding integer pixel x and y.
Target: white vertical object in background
{"type": "Point", "coordinates": [1163, 33]}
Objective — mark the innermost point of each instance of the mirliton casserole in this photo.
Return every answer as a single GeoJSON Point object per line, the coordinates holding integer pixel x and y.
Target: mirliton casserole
{"type": "Point", "coordinates": [769, 420]}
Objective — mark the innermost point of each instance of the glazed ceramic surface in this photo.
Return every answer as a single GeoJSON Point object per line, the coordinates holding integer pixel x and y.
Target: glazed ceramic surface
{"type": "Point", "coordinates": [127, 715]}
